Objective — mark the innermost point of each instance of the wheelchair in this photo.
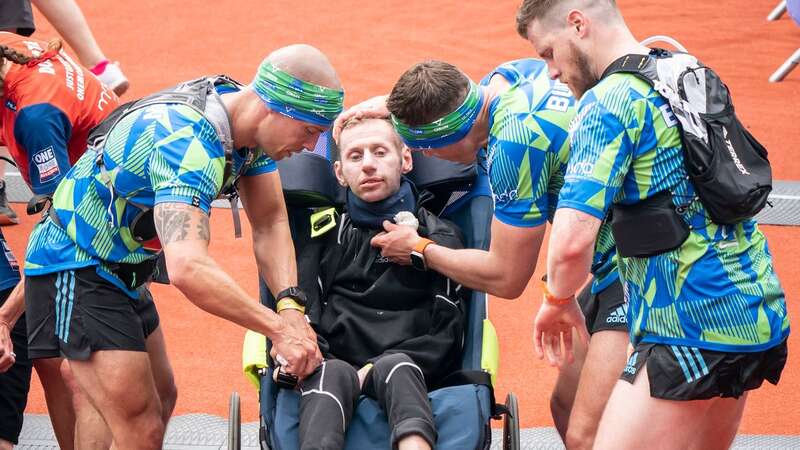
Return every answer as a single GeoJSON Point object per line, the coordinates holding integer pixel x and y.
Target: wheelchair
{"type": "Point", "coordinates": [464, 409]}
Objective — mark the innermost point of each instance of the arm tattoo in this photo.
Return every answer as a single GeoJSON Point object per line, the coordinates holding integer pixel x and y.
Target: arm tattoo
{"type": "Point", "coordinates": [179, 222]}
{"type": "Point", "coordinates": [203, 229]}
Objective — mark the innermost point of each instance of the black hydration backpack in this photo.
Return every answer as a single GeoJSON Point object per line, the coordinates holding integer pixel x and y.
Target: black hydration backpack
{"type": "Point", "coordinates": [726, 164]}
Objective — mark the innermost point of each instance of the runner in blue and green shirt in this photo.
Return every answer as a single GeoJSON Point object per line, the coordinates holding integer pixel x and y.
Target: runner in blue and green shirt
{"type": "Point", "coordinates": [519, 119]}
{"type": "Point", "coordinates": [145, 188]}
{"type": "Point", "coordinates": [708, 319]}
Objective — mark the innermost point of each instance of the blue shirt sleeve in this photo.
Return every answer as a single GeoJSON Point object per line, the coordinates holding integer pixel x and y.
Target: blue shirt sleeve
{"type": "Point", "coordinates": [263, 164]}
{"type": "Point", "coordinates": [187, 166]}
{"type": "Point", "coordinates": [515, 174]}
{"type": "Point", "coordinates": [601, 153]}
{"type": "Point", "coordinates": [43, 131]}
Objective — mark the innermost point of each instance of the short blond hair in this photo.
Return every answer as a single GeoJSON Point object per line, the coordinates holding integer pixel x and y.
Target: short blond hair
{"type": "Point", "coordinates": [357, 121]}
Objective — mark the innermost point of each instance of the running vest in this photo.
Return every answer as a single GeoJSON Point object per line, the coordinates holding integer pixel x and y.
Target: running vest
{"type": "Point", "coordinates": [727, 165]}
{"type": "Point", "coordinates": [199, 94]}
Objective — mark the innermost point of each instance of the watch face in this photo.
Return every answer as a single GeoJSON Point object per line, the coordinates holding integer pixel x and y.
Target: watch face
{"type": "Point", "coordinates": [294, 293]}
{"type": "Point", "coordinates": [417, 261]}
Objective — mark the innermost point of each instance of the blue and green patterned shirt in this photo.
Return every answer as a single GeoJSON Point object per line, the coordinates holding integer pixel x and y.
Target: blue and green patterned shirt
{"type": "Point", "coordinates": [157, 154]}
{"type": "Point", "coordinates": [718, 291]}
{"type": "Point", "coordinates": [528, 150]}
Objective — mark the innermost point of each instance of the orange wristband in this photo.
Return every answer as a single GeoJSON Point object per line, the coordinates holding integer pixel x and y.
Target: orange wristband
{"type": "Point", "coordinates": [422, 244]}
{"type": "Point", "coordinates": [550, 299]}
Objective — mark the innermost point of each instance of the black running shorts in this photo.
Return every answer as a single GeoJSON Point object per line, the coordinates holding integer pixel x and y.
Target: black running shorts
{"type": "Point", "coordinates": [76, 312]}
{"type": "Point", "coordinates": [15, 382]}
{"type": "Point", "coordinates": [605, 310]}
{"type": "Point", "coordinates": [678, 372]}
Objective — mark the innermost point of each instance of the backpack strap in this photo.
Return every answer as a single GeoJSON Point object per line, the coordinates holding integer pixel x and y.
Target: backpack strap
{"type": "Point", "coordinates": [643, 66]}
{"type": "Point", "coordinates": [199, 94]}
{"type": "Point", "coordinates": [664, 78]}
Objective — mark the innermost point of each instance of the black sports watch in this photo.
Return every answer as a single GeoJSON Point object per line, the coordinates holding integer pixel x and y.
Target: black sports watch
{"type": "Point", "coordinates": [295, 293]}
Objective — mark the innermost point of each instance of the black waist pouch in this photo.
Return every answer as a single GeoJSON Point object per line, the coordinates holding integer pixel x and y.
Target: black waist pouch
{"type": "Point", "coordinates": [648, 228]}
{"type": "Point", "coordinates": [134, 275]}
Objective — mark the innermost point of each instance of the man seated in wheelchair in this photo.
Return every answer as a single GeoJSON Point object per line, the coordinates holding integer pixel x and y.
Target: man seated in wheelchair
{"type": "Point", "coordinates": [387, 331]}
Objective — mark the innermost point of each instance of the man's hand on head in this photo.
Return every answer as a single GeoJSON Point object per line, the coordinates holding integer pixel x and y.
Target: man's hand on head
{"type": "Point", "coordinates": [397, 242]}
{"type": "Point", "coordinates": [374, 108]}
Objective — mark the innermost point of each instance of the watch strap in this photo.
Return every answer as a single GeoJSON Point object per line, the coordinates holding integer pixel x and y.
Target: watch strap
{"type": "Point", "coordinates": [289, 303]}
{"type": "Point", "coordinates": [292, 292]}
{"type": "Point", "coordinates": [421, 245]}
{"type": "Point", "coordinates": [550, 299]}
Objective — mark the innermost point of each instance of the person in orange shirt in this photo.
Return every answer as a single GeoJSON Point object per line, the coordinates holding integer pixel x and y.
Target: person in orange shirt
{"type": "Point", "coordinates": [48, 105]}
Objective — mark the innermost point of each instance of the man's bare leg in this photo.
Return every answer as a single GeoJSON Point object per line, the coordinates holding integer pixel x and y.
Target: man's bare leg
{"type": "Point", "coordinates": [67, 18]}
{"type": "Point", "coordinates": [120, 385]}
{"type": "Point", "coordinates": [603, 365]}
{"type": "Point", "coordinates": [634, 420]}
{"type": "Point", "coordinates": [563, 396]}
{"type": "Point", "coordinates": [91, 431]}
{"type": "Point", "coordinates": [721, 425]}
{"type": "Point", "coordinates": [59, 400]}
{"type": "Point", "coordinates": [162, 373]}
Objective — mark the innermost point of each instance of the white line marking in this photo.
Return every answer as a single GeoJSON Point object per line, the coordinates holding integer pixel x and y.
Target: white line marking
{"type": "Point", "coordinates": [784, 197]}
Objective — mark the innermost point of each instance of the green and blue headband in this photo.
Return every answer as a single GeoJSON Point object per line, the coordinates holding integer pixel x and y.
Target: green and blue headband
{"type": "Point", "coordinates": [447, 130]}
{"type": "Point", "coordinates": [296, 98]}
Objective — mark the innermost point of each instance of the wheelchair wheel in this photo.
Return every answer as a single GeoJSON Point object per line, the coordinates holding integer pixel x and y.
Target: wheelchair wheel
{"type": "Point", "coordinates": [511, 424]}
{"type": "Point", "coordinates": [234, 423]}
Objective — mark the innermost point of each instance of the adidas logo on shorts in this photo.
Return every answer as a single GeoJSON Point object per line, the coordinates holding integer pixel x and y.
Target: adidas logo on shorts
{"type": "Point", "coordinates": [619, 315]}
{"type": "Point", "coordinates": [630, 368]}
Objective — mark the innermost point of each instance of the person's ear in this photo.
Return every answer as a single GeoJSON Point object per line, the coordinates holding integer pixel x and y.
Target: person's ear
{"type": "Point", "coordinates": [578, 22]}
{"type": "Point", "coordinates": [407, 160]}
{"type": "Point", "coordinates": [337, 170]}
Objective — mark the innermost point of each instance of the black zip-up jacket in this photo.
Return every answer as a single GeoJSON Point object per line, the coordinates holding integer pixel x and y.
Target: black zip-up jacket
{"type": "Point", "coordinates": [364, 306]}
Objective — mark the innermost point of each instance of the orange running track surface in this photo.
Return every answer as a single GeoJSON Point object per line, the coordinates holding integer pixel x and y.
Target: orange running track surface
{"type": "Point", "coordinates": [160, 42]}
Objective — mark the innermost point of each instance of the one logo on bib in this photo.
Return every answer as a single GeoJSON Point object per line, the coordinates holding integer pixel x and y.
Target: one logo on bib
{"type": "Point", "coordinates": [46, 164]}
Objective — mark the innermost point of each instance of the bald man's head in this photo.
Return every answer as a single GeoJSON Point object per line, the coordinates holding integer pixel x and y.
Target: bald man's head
{"type": "Point", "coordinates": [306, 63]}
